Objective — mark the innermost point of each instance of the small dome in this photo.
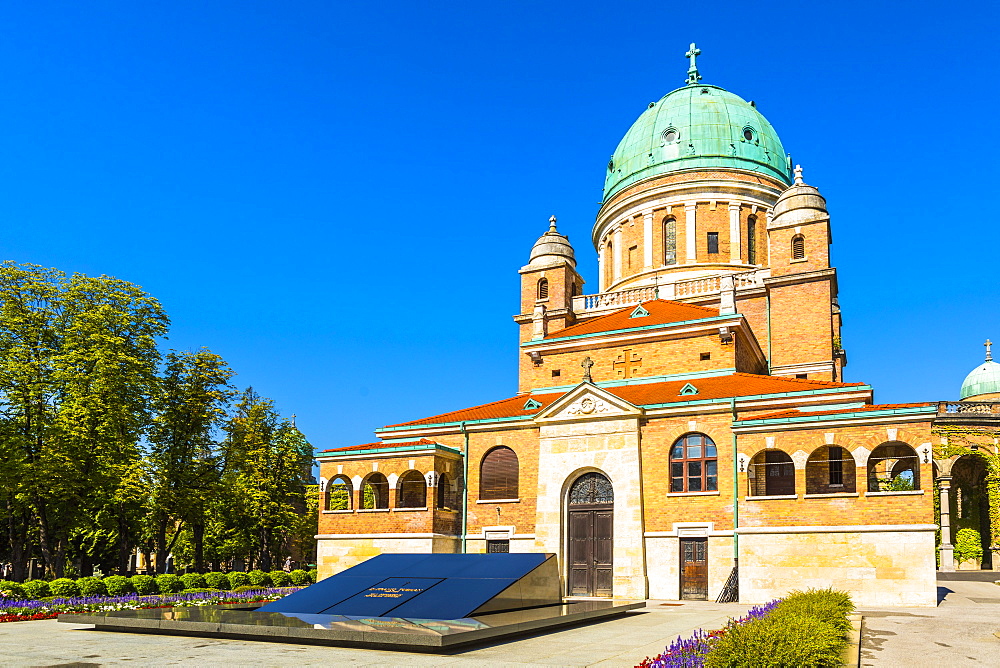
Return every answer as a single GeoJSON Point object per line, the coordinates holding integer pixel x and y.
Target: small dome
{"type": "Point", "coordinates": [552, 247]}
{"type": "Point", "coordinates": [799, 195]}
{"type": "Point", "coordinates": [984, 379]}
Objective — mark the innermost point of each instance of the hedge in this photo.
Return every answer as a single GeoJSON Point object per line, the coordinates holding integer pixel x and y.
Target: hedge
{"type": "Point", "coordinates": [64, 587]}
{"type": "Point", "coordinates": [146, 585]}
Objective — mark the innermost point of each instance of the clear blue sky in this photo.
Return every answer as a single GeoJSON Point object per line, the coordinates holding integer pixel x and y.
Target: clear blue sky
{"type": "Point", "coordinates": [336, 197]}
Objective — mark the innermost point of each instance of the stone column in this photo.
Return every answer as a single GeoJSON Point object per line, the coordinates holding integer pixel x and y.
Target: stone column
{"type": "Point", "coordinates": [618, 254]}
{"type": "Point", "coordinates": [735, 248]}
{"type": "Point", "coordinates": [690, 230]}
{"type": "Point", "coordinates": [947, 550]}
{"type": "Point", "coordinates": [647, 239]}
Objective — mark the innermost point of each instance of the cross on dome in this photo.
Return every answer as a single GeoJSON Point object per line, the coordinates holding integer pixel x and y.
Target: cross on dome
{"type": "Point", "coordinates": [989, 352]}
{"type": "Point", "coordinates": [798, 175]}
{"type": "Point", "coordinates": [693, 76]}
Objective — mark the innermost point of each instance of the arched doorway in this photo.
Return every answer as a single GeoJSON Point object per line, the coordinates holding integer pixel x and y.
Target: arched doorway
{"type": "Point", "coordinates": [590, 507]}
{"type": "Point", "coordinates": [970, 506]}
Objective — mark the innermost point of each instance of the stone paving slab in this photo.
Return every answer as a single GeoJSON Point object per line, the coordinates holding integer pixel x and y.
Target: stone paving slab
{"type": "Point", "coordinates": [622, 641]}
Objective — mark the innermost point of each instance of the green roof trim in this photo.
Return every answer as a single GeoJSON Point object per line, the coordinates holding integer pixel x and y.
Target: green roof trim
{"type": "Point", "coordinates": [885, 412]}
{"type": "Point", "coordinates": [664, 325]}
{"type": "Point", "coordinates": [710, 373]}
{"type": "Point", "coordinates": [389, 448]}
{"type": "Point", "coordinates": [639, 312]}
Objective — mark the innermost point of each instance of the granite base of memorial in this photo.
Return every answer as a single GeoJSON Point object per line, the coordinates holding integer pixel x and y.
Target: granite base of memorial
{"type": "Point", "coordinates": [399, 601]}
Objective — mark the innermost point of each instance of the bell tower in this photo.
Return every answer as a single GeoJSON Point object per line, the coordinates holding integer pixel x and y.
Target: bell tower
{"type": "Point", "coordinates": [549, 282]}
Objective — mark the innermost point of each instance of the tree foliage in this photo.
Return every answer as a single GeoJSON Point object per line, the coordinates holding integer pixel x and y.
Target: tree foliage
{"type": "Point", "coordinates": [106, 445]}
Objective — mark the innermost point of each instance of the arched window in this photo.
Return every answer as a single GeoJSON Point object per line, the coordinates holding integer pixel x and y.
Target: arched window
{"type": "Point", "coordinates": [772, 473]}
{"type": "Point", "coordinates": [338, 494]}
{"type": "Point", "coordinates": [375, 492]}
{"type": "Point", "coordinates": [752, 240]}
{"type": "Point", "coordinates": [498, 474]}
{"type": "Point", "coordinates": [693, 465]}
{"type": "Point", "coordinates": [893, 467]}
{"type": "Point", "coordinates": [543, 288]}
{"type": "Point", "coordinates": [411, 490]}
{"type": "Point", "coordinates": [669, 241]}
{"type": "Point", "coordinates": [798, 247]}
{"type": "Point", "coordinates": [446, 497]}
{"type": "Point", "coordinates": [830, 469]}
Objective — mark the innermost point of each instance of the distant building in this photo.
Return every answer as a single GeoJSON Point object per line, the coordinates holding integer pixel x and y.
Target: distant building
{"type": "Point", "coordinates": [690, 412]}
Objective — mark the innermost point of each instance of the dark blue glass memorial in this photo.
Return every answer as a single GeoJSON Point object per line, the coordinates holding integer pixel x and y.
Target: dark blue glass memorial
{"type": "Point", "coordinates": [422, 602]}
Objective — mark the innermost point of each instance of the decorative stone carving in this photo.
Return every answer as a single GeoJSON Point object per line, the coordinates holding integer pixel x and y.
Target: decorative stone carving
{"type": "Point", "coordinates": [432, 478]}
{"type": "Point", "coordinates": [588, 406]}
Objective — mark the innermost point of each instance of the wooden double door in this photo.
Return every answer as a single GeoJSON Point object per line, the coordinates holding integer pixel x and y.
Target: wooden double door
{"type": "Point", "coordinates": [591, 548]}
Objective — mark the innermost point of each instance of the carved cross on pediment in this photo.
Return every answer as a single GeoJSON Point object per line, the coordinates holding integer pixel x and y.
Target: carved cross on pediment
{"type": "Point", "coordinates": [627, 363]}
{"type": "Point", "coordinates": [586, 364]}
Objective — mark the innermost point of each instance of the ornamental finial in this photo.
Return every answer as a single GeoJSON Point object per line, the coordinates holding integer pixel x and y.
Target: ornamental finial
{"type": "Point", "coordinates": [989, 352]}
{"type": "Point", "coordinates": [798, 175]}
{"type": "Point", "coordinates": [552, 224]}
{"type": "Point", "coordinates": [693, 76]}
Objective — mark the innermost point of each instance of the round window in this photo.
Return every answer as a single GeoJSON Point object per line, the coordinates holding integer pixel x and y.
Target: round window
{"type": "Point", "coordinates": [748, 134]}
{"type": "Point", "coordinates": [669, 135]}
{"type": "Point", "coordinates": [611, 165]}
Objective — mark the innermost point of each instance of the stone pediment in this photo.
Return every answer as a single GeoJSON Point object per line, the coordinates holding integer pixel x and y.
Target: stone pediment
{"type": "Point", "coordinates": [585, 402]}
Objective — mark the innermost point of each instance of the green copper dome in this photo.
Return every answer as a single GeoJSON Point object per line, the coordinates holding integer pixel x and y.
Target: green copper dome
{"type": "Point", "coordinates": [984, 379]}
{"type": "Point", "coordinates": [696, 127]}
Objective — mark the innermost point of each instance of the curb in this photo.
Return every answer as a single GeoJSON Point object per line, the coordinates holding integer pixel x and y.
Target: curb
{"type": "Point", "coordinates": [851, 656]}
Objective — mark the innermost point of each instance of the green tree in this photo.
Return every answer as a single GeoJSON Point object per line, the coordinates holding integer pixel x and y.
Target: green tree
{"type": "Point", "coordinates": [269, 464]}
{"type": "Point", "coordinates": [78, 362]}
{"type": "Point", "coordinates": [185, 462]}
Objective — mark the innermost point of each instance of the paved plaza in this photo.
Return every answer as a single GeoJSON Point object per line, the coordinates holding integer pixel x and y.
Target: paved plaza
{"type": "Point", "coordinates": [959, 632]}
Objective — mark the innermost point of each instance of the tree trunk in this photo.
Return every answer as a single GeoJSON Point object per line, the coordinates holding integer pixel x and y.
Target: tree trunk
{"type": "Point", "coordinates": [198, 536]}
{"type": "Point", "coordinates": [160, 545]}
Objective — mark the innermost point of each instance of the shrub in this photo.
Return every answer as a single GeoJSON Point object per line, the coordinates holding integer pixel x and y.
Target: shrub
{"type": "Point", "coordinates": [169, 583]}
{"type": "Point", "coordinates": [246, 588]}
{"type": "Point", "coordinates": [11, 589]}
{"type": "Point", "coordinates": [144, 585]}
{"type": "Point", "coordinates": [259, 578]}
{"type": "Point", "coordinates": [237, 579]}
{"type": "Point", "coordinates": [313, 575]}
{"type": "Point", "coordinates": [36, 588]}
{"type": "Point", "coordinates": [299, 577]}
{"type": "Point", "coordinates": [790, 639]}
{"type": "Point", "coordinates": [193, 581]}
{"type": "Point", "coordinates": [91, 586]}
{"type": "Point", "coordinates": [118, 585]}
{"type": "Point", "coordinates": [216, 580]}
{"type": "Point", "coordinates": [968, 545]}
{"type": "Point", "coordinates": [64, 587]}
{"type": "Point", "coordinates": [280, 578]}
{"type": "Point", "coordinates": [199, 590]}
{"type": "Point", "coordinates": [828, 605]}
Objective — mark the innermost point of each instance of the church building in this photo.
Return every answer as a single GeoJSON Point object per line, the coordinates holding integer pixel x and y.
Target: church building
{"type": "Point", "coordinates": [684, 431]}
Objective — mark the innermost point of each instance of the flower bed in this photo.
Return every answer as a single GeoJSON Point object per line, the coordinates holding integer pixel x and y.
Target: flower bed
{"type": "Point", "coordinates": [27, 610]}
{"type": "Point", "coordinates": [690, 652]}
{"type": "Point", "coordinates": [804, 629]}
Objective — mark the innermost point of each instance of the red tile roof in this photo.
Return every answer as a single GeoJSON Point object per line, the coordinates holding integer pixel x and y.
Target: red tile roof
{"type": "Point", "coordinates": [661, 311]}
{"type": "Point", "coordinates": [714, 387]}
{"type": "Point", "coordinates": [380, 444]}
{"type": "Point", "coordinates": [512, 407]}
{"type": "Point", "coordinates": [867, 407]}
